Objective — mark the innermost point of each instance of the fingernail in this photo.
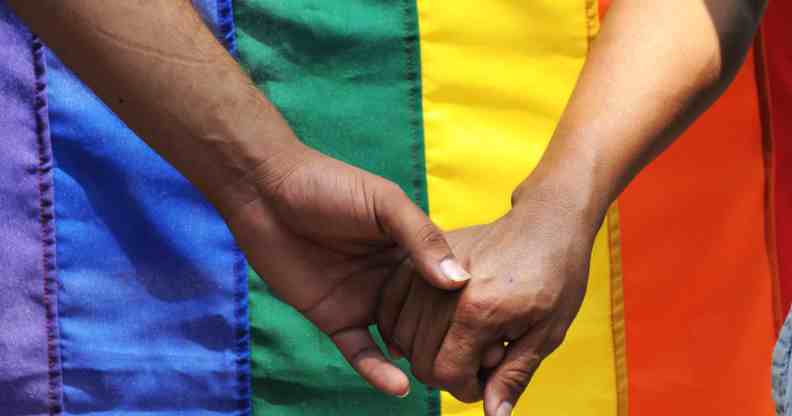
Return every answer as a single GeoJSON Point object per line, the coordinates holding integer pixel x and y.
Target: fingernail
{"type": "Point", "coordinates": [505, 409]}
{"type": "Point", "coordinates": [453, 270]}
{"type": "Point", "coordinates": [407, 393]}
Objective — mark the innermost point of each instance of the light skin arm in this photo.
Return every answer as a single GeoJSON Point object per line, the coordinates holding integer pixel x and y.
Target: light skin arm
{"type": "Point", "coordinates": [653, 69]}
{"type": "Point", "coordinates": [325, 235]}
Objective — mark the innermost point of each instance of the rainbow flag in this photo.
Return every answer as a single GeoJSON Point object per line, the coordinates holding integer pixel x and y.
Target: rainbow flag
{"type": "Point", "coordinates": [123, 292]}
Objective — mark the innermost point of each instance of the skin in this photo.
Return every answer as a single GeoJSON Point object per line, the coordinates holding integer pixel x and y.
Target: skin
{"type": "Point", "coordinates": [158, 68]}
{"type": "Point", "coordinates": [530, 267]}
{"type": "Point", "coordinates": [323, 234]}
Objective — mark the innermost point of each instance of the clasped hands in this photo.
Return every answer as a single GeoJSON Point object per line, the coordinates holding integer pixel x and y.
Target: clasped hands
{"type": "Point", "coordinates": [348, 249]}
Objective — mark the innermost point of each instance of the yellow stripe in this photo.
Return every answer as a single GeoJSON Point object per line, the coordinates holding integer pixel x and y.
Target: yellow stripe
{"type": "Point", "coordinates": [496, 77]}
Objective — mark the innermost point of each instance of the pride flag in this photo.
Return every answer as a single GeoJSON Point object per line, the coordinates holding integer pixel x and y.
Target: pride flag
{"type": "Point", "coordinates": [123, 292]}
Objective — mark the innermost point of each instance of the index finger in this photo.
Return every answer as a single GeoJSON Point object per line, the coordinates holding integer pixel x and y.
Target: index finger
{"type": "Point", "coordinates": [459, 360]}
{"type": "Point", "coordinates": [510, 379]}
{"type": "Point", "coordinates": [392, 298]}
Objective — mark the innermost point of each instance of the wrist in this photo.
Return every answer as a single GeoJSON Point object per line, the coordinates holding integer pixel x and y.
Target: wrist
{"type": "Point", "coordinates": [250, 151]}
{"type": "Point", "coordinates": [568, 190]}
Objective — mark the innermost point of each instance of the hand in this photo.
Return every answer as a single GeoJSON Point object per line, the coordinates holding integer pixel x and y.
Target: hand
{"type": "Point", "coordinates": [325, 236]}
{"type": "Point", "coordinates": [530, 270]}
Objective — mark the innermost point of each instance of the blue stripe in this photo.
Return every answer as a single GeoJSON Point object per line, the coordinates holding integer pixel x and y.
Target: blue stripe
{"type": "Point", "coordinates": [153, 294]}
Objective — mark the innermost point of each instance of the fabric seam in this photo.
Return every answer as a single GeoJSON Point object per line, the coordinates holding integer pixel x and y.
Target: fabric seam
{"type": "Point", "coordinates": [46, 220]}
{"type": "Point", "coordinates": [413, 74]}
{"type": "Point", "coordinates": [227, 30]}
{"type": "Point", "coordinates": [225, 14]}
{"type": "Point", "coordinates": [592, 21]}
{"type": "Point", "coordinates": [618, 326]}
{"type": "Point", "coordinates": [412, 50]}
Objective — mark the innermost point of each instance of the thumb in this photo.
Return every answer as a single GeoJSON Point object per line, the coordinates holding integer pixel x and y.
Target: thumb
{"type": "Point", "coordinates": [406, 224]}
{"type": "Point", "coordinates": [359, 349]}
{"type": "Point", "coordinates": [508, 382]}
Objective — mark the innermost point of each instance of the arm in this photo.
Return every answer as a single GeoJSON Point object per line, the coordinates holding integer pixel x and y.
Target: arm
{"type": "Point", "coordinates": [531, 266]}
{"type": "Point", "coordinates": [157, 66]}
{"type": "Point", "coordinates": [321, 232]}
{"type": "Point", "coordinates": [667, 61]}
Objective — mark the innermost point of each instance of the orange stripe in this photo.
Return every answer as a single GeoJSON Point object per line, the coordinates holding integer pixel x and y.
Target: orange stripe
{"type": "Point", "coordinates": [697, 279]}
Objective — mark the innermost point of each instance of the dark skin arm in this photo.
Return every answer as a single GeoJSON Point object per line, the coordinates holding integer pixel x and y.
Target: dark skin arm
{"type": "Point", "coordinates": [530, 267]}
{"type": "Point", "coordinates": [322, 233]}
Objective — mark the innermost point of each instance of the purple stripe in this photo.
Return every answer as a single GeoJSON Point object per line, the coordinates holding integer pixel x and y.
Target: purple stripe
{"type": "Point", "coordinates": [29, 358]}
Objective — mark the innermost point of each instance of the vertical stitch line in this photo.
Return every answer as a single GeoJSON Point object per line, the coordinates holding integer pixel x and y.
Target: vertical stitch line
{"type": "Point", "coordinates": [225, 13]}
{"type": "Point", "coordinates": [592, 21]}
{"type": "Point", "coordinates": [47, 221]}
{"type": "Point", "coordinates": [617, 311]}
{"type": "Point", "coordinates": [242, 351]}
{"type": "Point", "coordinates": [415, 106]}
{"type": "Point", "coordinates": [242, 332]}
{"type": "Point", "coordinates": [412, 52]}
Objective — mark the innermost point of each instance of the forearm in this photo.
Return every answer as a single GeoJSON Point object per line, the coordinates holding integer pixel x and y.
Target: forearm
{"type": "Point", "coordinates": [160, 69]}
{"type": "Point", "coordinates": [654, 68]}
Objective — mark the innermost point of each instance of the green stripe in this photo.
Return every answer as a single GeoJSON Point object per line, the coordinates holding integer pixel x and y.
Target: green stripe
{"type": "Point", "coordinates": [346, 76]}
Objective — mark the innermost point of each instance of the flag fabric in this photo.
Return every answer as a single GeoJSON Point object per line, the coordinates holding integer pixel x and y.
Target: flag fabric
{"type": "Point", "coordinates": [125, 293]}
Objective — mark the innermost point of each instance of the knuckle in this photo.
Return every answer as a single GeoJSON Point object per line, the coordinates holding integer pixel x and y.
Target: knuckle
{"type": "Point", "coordinates": [390, 189]}
{"type": "Point", "coordinates": [429, 234]}
{"type": "Point", "coordinates": [466, 395]}
{"type": "Point", "coordinates": [478, 312]}
{"type": "Point", "coordinates": [543, 302]}
{"type": "Point", "coordinates": [447, 376]}
{"type": "Point", "coordinates": [516, 378]}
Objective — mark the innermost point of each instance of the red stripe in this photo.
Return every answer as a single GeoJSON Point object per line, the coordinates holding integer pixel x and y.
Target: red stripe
{"type": "Point", "coordinates": [778, 50]}
{"type": "Point", "coordinates": [698, 285]}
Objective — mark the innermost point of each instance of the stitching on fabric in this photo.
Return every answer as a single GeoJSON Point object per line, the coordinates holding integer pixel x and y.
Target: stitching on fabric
{"type": "Point", "coordinates": [242, 332]}
{"type": "Point", "coordinates": [242, 351]}
{"type": "Point", "coordinates": [225, 13]}
{"type": "Point", "coordinates": [47, 222]}
{"type": "Point", "coordinates": [412, 52]}
{"type": "Point", "coordinates": [617, 311]}
{"type": "Point", "coordinates": [413, 75]}
{"type": "Point", "coordinates": [592, 21]}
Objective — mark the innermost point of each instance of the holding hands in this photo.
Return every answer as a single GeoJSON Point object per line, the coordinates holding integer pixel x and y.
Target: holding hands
{"type": "Point", "coordinates": [326, 236]}
{"type": "Point", "coordinates": [529, 272]}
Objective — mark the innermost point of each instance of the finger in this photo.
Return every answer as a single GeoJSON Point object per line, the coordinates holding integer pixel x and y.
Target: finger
{"type": "Point", "coordinates": [394, 352]}
{"type": "Point", "coordinates": [410, 316]}
{"type": "Point", "coordinates": [427, 246]}
{"type": "Point", "coordinates": [435, 320]}
{"type": "Point", "coordinates": [392, 298]}
{"type": "Point", "coordinates": [459, 360]}
{"type": "Point", "coordinates": [359, 349]}
{"type": "Point", "coordinates": [509, 380]}
{"type": "Point", "coordinates": [493, 355]}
